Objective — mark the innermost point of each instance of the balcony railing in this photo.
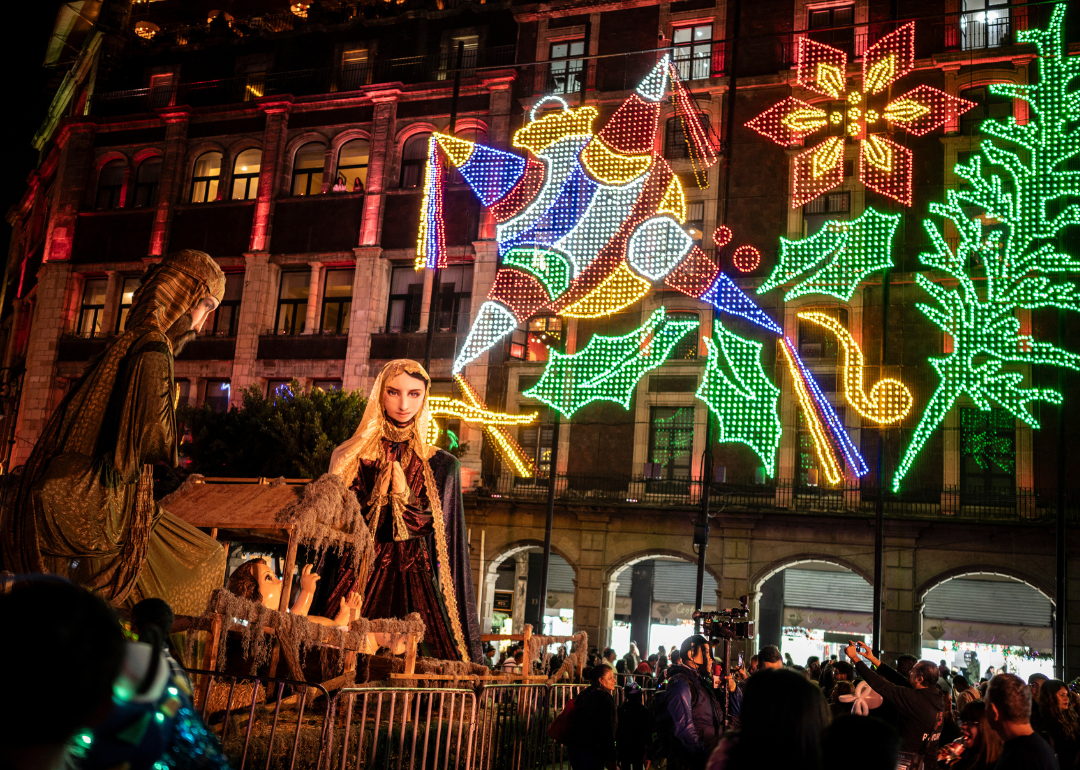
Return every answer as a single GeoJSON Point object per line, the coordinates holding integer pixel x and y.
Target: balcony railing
{"type": "Point", "coordinates": [951, 503]}
{"type": "Point", "coordinates": [413, 69]}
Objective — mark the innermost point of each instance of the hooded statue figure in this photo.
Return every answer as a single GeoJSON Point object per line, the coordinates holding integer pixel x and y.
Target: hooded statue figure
{"type": "Point", "coordinates": [410, 493]}
{"type": "Point", "coordinates": [85, 508]}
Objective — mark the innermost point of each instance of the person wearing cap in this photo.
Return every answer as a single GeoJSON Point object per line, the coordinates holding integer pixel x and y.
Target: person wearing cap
{"type": "Point", "coordinates": [692, 707]}
{"type": "Point", "coordinates": [633, 736]}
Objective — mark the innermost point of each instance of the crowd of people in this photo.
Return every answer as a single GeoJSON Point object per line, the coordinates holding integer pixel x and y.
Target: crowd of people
{"type": "Point", "coordinates": [858, 712]}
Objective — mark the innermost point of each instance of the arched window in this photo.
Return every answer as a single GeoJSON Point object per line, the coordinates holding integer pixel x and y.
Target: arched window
{"type": "Point", "coordinates": [353, 164]}
{"type": "Point", "coordinates": [204, 180]}
{"type": "Point", "coordinates": [110, 184]}
{"type": "Point", "coordinates": [308, 168]}
{"type": "Point", "coordinates": [413, 160]}
{"type": "Point", "coordinates": [245, 179]}
{"type": "Point", "coordinates": [147, 177]}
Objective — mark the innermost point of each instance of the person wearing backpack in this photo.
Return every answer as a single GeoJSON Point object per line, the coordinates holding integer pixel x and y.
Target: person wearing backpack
{"type": "Point", "coordinates": [591, 738]}
{"type": "Point", "coordinates": [689, 717]}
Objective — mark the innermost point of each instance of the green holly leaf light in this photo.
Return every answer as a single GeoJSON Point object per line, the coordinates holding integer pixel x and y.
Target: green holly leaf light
{"type": "Point", "coordinates": [608, 368]}
{"type": "Point", "coordinates": [840, 255]}
{"type": "Point", "coordinates": [740, 394]}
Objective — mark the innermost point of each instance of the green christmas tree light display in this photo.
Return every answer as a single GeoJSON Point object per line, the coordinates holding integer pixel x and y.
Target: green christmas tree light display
{"type": "Point", "coordinates": [1017, 236]}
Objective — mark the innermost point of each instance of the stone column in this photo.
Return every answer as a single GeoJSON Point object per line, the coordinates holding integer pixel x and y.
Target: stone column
{"type": "Point", "coordinates": [270, 179]}
{"type": "Point", "coordinates": [370, 293]}
{"type": "Point", "coordinates": [641, 599]}
{"type": "Point", "coordinates": [172, 177]}
{"type": "Point", "coordinates": [311, 319]}
{"type": "Point", "coordinates": [607, 614]}
{"type": "Point", "coordinates": [380, 163]}
{"type": "Point", "coordinates": [111, 314]}
{"type": "Point", "coordinates": [591, 578]}
{"type": "Point", "coordinates": [197, 392]}
{"type": "Point", "coordinates": [252, 320]}
{"type": "Point", "coordinates": [38, 381]}
{"type": "Point", "coordinates": [487, 608]}
{"type": "Point", "coordinates": [901, 628]}
{"type": "Point", "coordinates": [20, 309]}
{"type": "Point", "coordinates": [521, 582]}
{"type": "Point", "coordinates": [75, 149]}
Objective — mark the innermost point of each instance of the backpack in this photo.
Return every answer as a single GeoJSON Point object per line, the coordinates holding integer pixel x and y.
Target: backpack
{"type": "Point", "coordinates": [559, 729]}
{"type": "Point", "coordinates": [664, 742]}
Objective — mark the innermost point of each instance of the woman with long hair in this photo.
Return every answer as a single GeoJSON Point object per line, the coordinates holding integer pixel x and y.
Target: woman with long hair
{"type": "Point", "coordinates": [978, 746]}
{"type": "Point", "coordinates": [591, 741]}
{"type": "Point", "coordinates": [1060, 723]}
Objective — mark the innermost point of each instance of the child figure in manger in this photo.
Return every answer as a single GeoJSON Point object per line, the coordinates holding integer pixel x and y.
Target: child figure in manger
{"type": "Point", "coordinates": [256, 581]}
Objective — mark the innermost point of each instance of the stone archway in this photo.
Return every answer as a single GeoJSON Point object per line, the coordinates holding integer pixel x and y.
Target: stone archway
{"type": "Point", "coordinates": [489, 577]}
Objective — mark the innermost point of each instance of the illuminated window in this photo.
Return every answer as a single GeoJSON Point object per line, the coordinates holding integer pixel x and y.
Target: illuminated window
{"type": "Point", "coordinates": [204, 180]}
{"type": "Point", "coordinates": [355, 68]}
{"type": "Point", "coordinates": [533, 340]}
{"type": "Point", "coordinates": [675, 146]}
{"type": "Point", "coordinates": [308, 169]}
{"type": "Point", "coordinates": [217, 395]}
{"type": "Point", "coordinates": [566, 66]}
{"type": "Point", "coordinates": [353, 164]}
{"type": "Point", "coordinates": [292, 303]}
{"type": "Point", "coordinates": [984, 23]}
{"type": "Point", "coordinates": [222, 322]}
{"type": "Point", "coordinates": [276, 388]}
{"type": "Point", "coordinates": [337, 302]}
{"type": "Point", "coordinates": [406, 294]}
{"type": "Point", "coordinates": [455, 294]}
{"type": "Point", "coordinates": [693, 51]}
{"type": "Point", "coordinates": [695, 220]}
{"type": "Point", "coordinates": [245, 180]}
{"type": "Point", "coordinates": [126, 296]}
{"type": "Point", "coordinates": [93, 307]}
{"type": "Point", "coordinates": [987, 451]}
{"type": "Point", "coordinates": [687, 347]}
{"type": "Point", "coordinates": [815, 341]}
{"type": "Point", "coordinates": [413, 160]}
{"type": "Point", "coordinates": [825, 208]}
{"type": "Point", "coordinates": [807, 472]}
{"type": "Point", "coordinates": [671, 441]}
{"type": "Point", "coordinates": [535, 439]}
{"type": "Point", "coordinates": [833, 26]}
{"type": "Point", "coordinates": [147, 177]}
{"type": "Point", "coordinates": [110, 185]}
{"type": "Point", "coordinates": [470, 45]}
{"type": "Point", "coordinates": [327, 385]}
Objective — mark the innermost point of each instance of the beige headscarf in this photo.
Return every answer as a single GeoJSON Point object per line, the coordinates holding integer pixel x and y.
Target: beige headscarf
{"type": "Point", "coordinates": [366, 444]}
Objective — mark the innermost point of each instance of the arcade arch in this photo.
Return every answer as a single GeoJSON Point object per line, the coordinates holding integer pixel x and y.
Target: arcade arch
{"type": "Point", "coordinates": [511, 586]}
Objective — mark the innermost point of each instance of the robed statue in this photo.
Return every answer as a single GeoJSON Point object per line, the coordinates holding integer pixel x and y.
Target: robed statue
{"type": "Point", "coordinates": [84, 508]}
{"type": "Point", "coordinates": [410, 494]}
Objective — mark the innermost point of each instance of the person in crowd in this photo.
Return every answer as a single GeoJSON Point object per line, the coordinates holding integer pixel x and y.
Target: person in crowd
{"type": "Point", "coordinates": [693, 715]}
{"type": "Point", "coordinates": [1059, 722]}
{"type": "Point", "coordinates": [661, 667]}
{"type": "Point", "coordinates": [873, 743]}
{"type": "Point", "coordinates": [1008, 710]}
{"type": "Point", "coordinates": [813, 668]}
{"type": "Point", "coordinates": [489, 656]}
{"type": "Point", "coordinates": [978, 746]}
{"type": "Point", "coordinates": [512, 664]}
{"type": "Point", "coordinates": [989, 673]}
{"type": "Point", "coordinates": [62, 649]}
{"type": "Point", "coordinates": [783, 718]}
{"type": "Point", "coordinates": [920, 706]}
{"type": "Point", "coordinates": [557, 660]}
{"type": "Point", "coordinates": [647, 667]}
{"type": "Point", "coordinates": [634, 733]}
{"type": "Point", "coordinates": [632, 658]}
{"type": "Point", "coordinates": [1035, 682]}
{"type": "Point", "coordinates": [753, 664]}
{"type": "Point", "coordinates": [591, 741]}
{"type": "Point", "coordinates": [661, 651]}
{"type": "Point", "coordinates": [609, 656]}
{"type": "Point", "coordinates": [768, 658]}
{"type": "Point", "coordinates": [944, 676]}
{"type": "Point", "coordinates": [787, 659]}
{"type": "Point", "coordinates": [837, 706]}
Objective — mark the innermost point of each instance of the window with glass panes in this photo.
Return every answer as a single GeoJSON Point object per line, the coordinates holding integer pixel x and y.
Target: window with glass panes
{"type": "Point", "coordinates": [92, 310]}
{"type": "Point", "coordinates": [355, 68]}
{"type": "Point", "coordinates": [276, 388]}
{"type": "Point", "coordinates": [127, 293]}
{"type": "Point", "coordinates": [245, 179]}
{"type": "Point", "coordinates": [815, 341]}
{"type": "Point", "coordinates": [565, 73]}
{"type": "Point", "coordinates": [327, 385]}
{"type": "Point", "coordinates": [455, 295]}
{"type": "Point", "coordinates": [406, 294]}
{"type": "Point", "coordinates": [205, 177]}
{"type": "Point", "coordinates": [535, 439]}
{"type": "Point", "coordinates": [984, 23]}
{"type": "Point", "coordinates": [833, 26]}
{"type": "Point", "coordinates": [671, 440]}
{"type": "Point", "coordinates": [353, 164]}
{"type": "Point", "coordinates": [987, 106]}
{"type": "Point", "coordinates": [337, 302]}
{"type": "Point", "coordinates": [217, 395]}
{"type": "Point", "coordinates": [825, 208]}
{"type": "Point", "coordinates": [687, 348]}
{"type": "Point", "coordinates": [675, 146]}
{"type": "Point", "coordinates": [807, 472]}
{"type": "Point", "coordinates": [470, 45]}
{"type": "Point", "coordinates": [987, 451]}
{"type": "Point", "coordinates": [695, 220]}
{"type": "Point", "coordinates": [692, 51]}
{"type": "Point", "coordinates": [292, 303]}
{"type": "Point", "coordinates": [413, 160]}
{"type": "Point", "coordinates": [110, 185]}
{"type": "Point", "coordinates": [307, 175]}
{"type": "Point", "coordinates": [530, 341]}
{"type": "Point", "coordinates": [147, 177]}
{"type": "Point", "coordinates": [222, 322]}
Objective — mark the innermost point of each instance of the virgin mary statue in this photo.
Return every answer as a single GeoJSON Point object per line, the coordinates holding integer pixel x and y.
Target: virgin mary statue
{"type": "Point", "coordinates": [410, 494]}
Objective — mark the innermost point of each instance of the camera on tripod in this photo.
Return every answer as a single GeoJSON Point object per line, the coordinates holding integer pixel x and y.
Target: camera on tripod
{"type": "Point", "coordinates": [732, 623]}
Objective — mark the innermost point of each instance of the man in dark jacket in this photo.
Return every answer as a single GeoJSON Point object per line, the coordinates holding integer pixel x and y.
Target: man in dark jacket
{"type": "Point", "coordinates": [692, 708]}
{"type": "Point", "coordinates": [768, 658]}
{"type": "Point", "coordinates": [633, 736]}
{"type": "Point", "coordinates": [920, 705]}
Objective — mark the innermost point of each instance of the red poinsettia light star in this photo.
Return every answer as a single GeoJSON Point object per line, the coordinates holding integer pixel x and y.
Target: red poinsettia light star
{"type": "Point", "coordinates": [884, 165]}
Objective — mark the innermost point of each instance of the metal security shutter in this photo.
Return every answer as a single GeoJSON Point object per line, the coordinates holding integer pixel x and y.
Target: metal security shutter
{"type": "Point", "coordinates": [676, 581]}
{"type": "Point", "coordinates": [988, 601]}
{"type": "Point", "coordinates": [817, 589]}
{"type": "Point", "coordinates": [560, 575]}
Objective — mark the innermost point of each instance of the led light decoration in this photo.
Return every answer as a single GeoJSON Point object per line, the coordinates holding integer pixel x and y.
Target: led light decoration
{"type": "Point", "coordinates": [674, 201]}
{"type": "Point", "coordinates": [884, 166]}
{"type": "Point", "coordinates": [611, 167]}
{"type": "Point", "coordinates": [728, 298]}
{"type": "Point", "coordinates": [722, 236]}
{"type": "Point", "coordinates": [493, 322]}
{"type": "Point", "coordinates": [746, 259]}
{"type": "Point", "coordinates": [741, 395]}
{"type": "Point", "coordinates": [837, 257]}
{"type": "Point", "coordinates": [431, 240]}
{"type": "Point", "coordinates": [700, 149]}
{"type": "Point", "coordinates": [826, 458]}
{"type": "Point", "coordinates": [548, 266]}
{"type": "Point", "coordinates": [889, 400]}
{"type": "Point", "coordinates": [618, 291]}
{"type": "Point", "coordinates": [608, 368]}
{"type": "Point", "coordinates": [1023, 255]}
{"type": "Point", "coordinates": [695, 275]}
